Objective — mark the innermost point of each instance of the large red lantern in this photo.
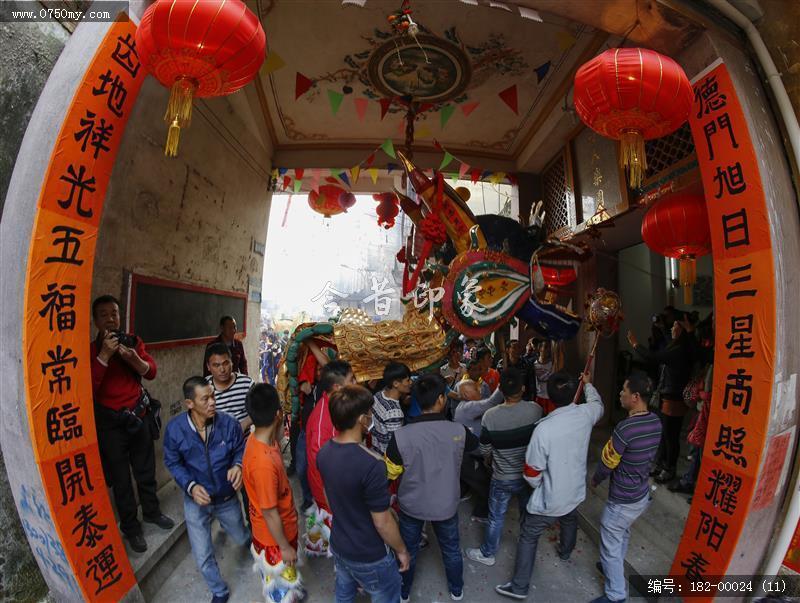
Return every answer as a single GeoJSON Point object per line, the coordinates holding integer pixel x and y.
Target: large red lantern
{"type": "Point", "coordinates": [677, 227]}
{"type": "Point", "coordinates": [632, 95]}
{"type": "Point", "coordinates": [326, 200]}
{"type": "Point", "coordinates": [199, 49]}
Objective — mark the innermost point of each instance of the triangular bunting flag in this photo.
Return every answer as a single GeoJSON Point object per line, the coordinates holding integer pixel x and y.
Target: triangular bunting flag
{"type": "Point", "coordinates": [370, 159]}
{"type": "Point", "coordinates": [424, 107]}
{"type": "Point", "coordinates": [497, 177]}
{"type": "Point", "coordinates": [437, 145]}
{"type": "Point", "coordinates": [390, 167]}
{"type": "Point", "coordinates": [463, 170]}
{"type": "Point", "coordinates": [275, 173]}
{"type": "Point", "coordinates": [301, 85]}
{"type": "Point", "coordinates": [282, 171]}
{"type": "Point", "coordinates": [297, 185]}
{"type": "Point", "coordinates": [273, 62]}
{"type": "Point", "coordinates": [361, 107]}
{"type": "Point", "coordinates": [445, 114]}
{"type": "Point", "coordinates": [335, 99]}
{"type": "Point", "coordinates": [388, 148]}
{"type": "Point", "coordinates": [343, 177]}
{"type": "Point", "coordinates": [486, 174]}
{"type": "Point", "coordinates": [373, 174]}
{"type": "Point", "coordinates": [475, 175]}
{"type": "Point", "coordinates": [287, 180]}
{"type": "Point", "coordinates": [541, 71]}
{"type": "Point", "coordinates": [468, 108]}
{"type": "Point", "coordinates": [509, 96]}
{"type": "Point", "coordinates": [355, 171]}
{"type": "Point", "coordinates": [445, 161]}
{"type": "Point", "coordinates": [565, 40]}
{"type": "Point", "coordinates": [423, 132]}
{"type": "Point", "coordinates": [453, 177]}
{"type": "Point", "coordinates": [298, 173]}
{"type": "Point", "coordinates": [385, 103]}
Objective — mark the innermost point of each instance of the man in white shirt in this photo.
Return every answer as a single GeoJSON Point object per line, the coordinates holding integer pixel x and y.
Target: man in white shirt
{"type": "Point", "coordinates": [555, 465]}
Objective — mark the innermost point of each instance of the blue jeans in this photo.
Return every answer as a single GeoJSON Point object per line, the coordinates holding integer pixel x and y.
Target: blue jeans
{"type": "Point", "coordinates": [615, 531]}
{"type": "Point", "coordinates": [379, 579]}
{"type": "Point", "coordinates": [447, 534]}
{"type": "Point", "coordinates": [198, 525]}
{"type": "Point", "coordinates": [500, 493]}
{"type": "Point", "coordinates": [301, 466]}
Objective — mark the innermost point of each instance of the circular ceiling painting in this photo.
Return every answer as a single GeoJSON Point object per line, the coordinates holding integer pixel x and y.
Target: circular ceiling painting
{"type": "Point", "coordinates": [400, 69]}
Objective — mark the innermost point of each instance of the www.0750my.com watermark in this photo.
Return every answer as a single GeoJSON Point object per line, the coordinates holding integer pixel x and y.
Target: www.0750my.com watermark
{"type": "Point", "coordinates": [29, 11]}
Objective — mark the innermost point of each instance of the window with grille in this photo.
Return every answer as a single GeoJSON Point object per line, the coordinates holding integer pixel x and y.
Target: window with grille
{"type": "Point", "coordinates": [559, 204]}
{"type": "Point", "coordinates": [667, 151]}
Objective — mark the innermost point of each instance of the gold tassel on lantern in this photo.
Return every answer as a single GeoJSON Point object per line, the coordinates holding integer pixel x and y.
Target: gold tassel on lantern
{"type": "Point", "coordinates": [687, 266]}
{"type": "Point", "coordinates": [179, 113]}
{"type": "Point", "coordinates": [632, 156]}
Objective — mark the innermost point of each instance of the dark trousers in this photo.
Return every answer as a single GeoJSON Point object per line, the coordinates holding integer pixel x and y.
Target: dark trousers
{"type": "Point", "coordinates": [476, 475]}
{"type": "Point", "coordinates": [533, 526]}
{"type": "Point", "coordinates": [121, 452]}
{"type": "Point", "coordinates": [294, 434]}
{"type": "Point", "coordinates": [670, 441]}
{"type": "Point", "coordinates": [447, 534]}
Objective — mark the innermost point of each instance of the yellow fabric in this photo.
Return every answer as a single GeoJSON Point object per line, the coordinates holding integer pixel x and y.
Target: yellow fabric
{"type": "Point", "coordinates": [392, 471]}
{"type": "Point", "coordinates": [610, 457]}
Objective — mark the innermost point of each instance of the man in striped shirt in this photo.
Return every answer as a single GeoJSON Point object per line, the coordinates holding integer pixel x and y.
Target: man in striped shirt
{"type": "Point", "coordinates": [505, 432]}
{"type": "Point", "coordinates": [627, 457]}
{"type": "Point", "coordinates": [230, 387]}
{"type": "Point", "coordinates": [386, 410]}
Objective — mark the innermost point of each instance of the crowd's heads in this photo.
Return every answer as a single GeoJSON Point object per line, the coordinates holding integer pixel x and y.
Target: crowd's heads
{"type": "Point", "coordinates": [454, 354]}
{"type": "Point", "coordinates": [484, 355]}
{"type": "Point", "coordinates": [199, 397]}
{"type": "Point", "coordinates": [512, 383]}
{"type": "Point", "coordinates": [218, 361]}
{"type": "Point", "coordinates": [349, 405]}
{"type": "Point", "coordinates": [429, 391]}
{"type": "Point", "coordinates": [514, 349]}
{"type": "Point", "coordinates": [636, 391]}
{"type": "Point", "coordinates": [227, 326]}
{"type": "Point", "coordinates": [263, 405]}
{"type": "Point", "coordinates": [397, 375]}
{"type": "Point", "coordinates": [561, 388]}
{"type": "Point", "coordinates": [105, 312]}
{"type": "Point", "coordinates": [475, 369]}
{"type": "Point", "coordinates": [334, 375]}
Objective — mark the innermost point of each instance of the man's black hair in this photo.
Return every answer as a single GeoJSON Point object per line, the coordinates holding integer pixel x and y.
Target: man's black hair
{"type": "Point", "coordinates": [217, 349]}
{"type": "Point", "coordinates": [190, 384]}
{"type": "Point", "coordinates": [473, 363]}
{"type": "Point", "coordinates": [347, 404]}
{"type": "Point", "coordinates": [640, 383]}
{"type": "Point", "coordinates": [427, 390]}
{"type": "Point", "coordinates": [103, 299]}
{"type": "Point", "coordinates": [481, 352]}
{"type": "Point", "coordinates": [225, 319]}
{"type": "Point", "coordinates": [511, 382]}
{"type": "Point", "coordinates": [333, 373]}
{"type": "Point", "coordinates": [262, 404]}
{"type": "Point", "coordinates": [395, 371]}
{"type": "Point", "coordinates": [561, 388]}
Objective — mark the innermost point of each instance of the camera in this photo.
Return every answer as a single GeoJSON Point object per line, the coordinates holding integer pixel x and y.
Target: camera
{"type": "Point", "coordinates": [129, 341]}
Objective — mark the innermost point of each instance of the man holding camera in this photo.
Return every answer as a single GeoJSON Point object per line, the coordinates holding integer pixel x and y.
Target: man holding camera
{"type": "Point", "coordinates": [125, 421]}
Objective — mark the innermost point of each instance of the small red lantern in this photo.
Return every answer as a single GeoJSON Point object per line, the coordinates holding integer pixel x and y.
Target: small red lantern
{"type": "Point", "coordinates": [347, 200]}
{"type": "Point", "coordinates": [677, 227]}
{"type": "Point", "coordinates": [199, 49]}
{"type": "Point", "coordinates": [388, 208]}
{"type": "Point", "coordinates": [326, 201]}
{"type": "Point", "coordinates": [632, 95]}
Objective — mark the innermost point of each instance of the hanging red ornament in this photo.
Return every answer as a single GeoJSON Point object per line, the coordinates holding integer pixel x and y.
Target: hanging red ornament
{"type": "Point", "coordinates": [388, 208]}
{"type": "Point", "coordinates": [347, 200]}
{"type": "Point", "coordinates": [326, 200]}
{"type": "Point", "coordinates": [632, 95]}
{"type": "Point", "coordinates": [677, 227]}
{"type": "Point", "coordinates": [199, 49]}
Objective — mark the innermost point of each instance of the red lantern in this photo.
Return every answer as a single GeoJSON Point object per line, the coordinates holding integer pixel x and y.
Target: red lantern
{"type": "Point", "coordinates": [326, 201]}
{"type": "Point", "coordinates": [677, 227]}
{"type": "Point", "coordinates": [199, 49]}
{"type": "Point", "coordinates": [558, 277]}
{"type": "Point", "coordinates": [388, 208]}
{"type": "Point", "coordinates": [632, 95]}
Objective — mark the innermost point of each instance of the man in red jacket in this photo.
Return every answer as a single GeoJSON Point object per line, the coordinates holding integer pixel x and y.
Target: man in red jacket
{"type": "Point", "coordinates": [319, 430]}
{"type": "Point", "coordinates": [123, 423]}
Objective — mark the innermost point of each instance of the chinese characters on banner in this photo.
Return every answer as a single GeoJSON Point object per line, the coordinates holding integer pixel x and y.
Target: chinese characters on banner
{"type": "Point", "coordinates": [745, 328]}
{"type": "Point", "coordinates": [57, 328]}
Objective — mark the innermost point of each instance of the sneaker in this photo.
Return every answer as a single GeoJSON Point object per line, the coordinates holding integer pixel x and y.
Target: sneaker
{"type": "Point", "coordinates": [561, 555]}
{"type": "Point", "coordinates": [505, 590]}
{"type": "Point", "coordinates": [480, 520]}
{"type": "Point", "coordinates": [405, 599]}
{"type": "Point", "coordinates": [466, 496]}
{"type": "Point", "coordinates": [604, 599]}
{"type": "Point", "coordinates": [220, 598]}
{"type": "Point", "coordinates": [137, 542]}
{"type": "Point", "coordinates": [423, 543]}
{"type": "Point", "coordinates": [457, 597]}
{"type": "Point", "coordinates": [162, 521]}
{"type": "Point", "coordinates": [476, 555]}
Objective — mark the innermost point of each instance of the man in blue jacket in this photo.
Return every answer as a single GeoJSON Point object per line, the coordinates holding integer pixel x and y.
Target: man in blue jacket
{"type": "Point", "coordinates": [203, 452]}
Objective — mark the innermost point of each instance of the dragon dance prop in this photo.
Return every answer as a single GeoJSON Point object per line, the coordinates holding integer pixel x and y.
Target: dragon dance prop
{"type": "Point", "coordinates": [317, 538]}
{"type": "Point", "coordinates": [280, 583]}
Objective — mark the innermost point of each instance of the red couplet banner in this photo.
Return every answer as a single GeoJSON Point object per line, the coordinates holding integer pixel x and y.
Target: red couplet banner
{"type": "Point", "coordinates": [744, 295]}
{"type": "Point", "coordinates": [57, 327]}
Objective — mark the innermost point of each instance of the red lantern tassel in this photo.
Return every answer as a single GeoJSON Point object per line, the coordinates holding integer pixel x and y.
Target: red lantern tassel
{"type": "Point", "coordinates": [179, 113]}
{"type": "Point", "coordinates": [632, 156]}
{"type": "Point", "coordinates": [688, 276]}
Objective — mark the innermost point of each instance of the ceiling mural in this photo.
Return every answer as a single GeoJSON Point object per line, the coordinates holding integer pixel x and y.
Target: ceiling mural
{"type": "Point", "coordinates": [479, 77]}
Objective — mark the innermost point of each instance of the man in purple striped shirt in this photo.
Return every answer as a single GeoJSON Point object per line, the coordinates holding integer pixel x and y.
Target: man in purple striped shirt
{"type": "Point", "coordinates": [627, 458]}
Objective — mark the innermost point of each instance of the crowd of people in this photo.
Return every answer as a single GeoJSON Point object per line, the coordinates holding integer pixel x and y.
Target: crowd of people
{"type": "Point", "coordinates": [383, 464]}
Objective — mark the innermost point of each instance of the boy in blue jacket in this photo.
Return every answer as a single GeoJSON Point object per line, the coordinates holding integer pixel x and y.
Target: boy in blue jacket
{"type": "Point", "coordinates": [203, 452]}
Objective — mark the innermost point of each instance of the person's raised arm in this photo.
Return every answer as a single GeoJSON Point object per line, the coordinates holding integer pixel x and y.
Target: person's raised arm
{"type": "Point", "coordinates": [322, 358]}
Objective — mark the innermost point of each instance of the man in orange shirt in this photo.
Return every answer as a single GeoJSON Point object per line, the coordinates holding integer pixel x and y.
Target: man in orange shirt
{"type": "Point", "coordinates": [319, 430]}
{"type": "Point", "coordinates": [272, 514]}
{"type": "Point", "coordinates": [490, 375]}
